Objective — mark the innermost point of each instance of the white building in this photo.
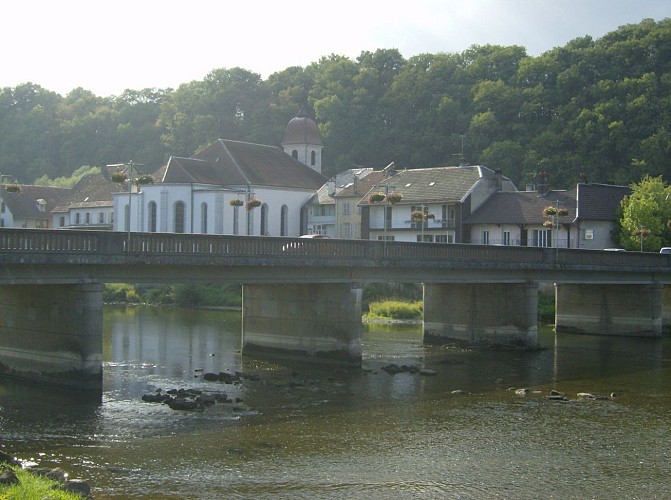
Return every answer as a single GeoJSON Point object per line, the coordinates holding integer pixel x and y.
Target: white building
{"type": "Point", "coordinates": [196, 195]}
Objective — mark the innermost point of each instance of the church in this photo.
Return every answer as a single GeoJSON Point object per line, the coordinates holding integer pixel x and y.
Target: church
{"type": "Point", "coordinates": [229, 187]}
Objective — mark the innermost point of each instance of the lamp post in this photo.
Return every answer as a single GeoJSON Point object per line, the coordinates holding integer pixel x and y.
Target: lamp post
{"type": "Point", "coordinates": [129, 167]}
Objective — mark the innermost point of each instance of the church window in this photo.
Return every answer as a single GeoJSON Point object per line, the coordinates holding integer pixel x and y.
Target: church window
{"type": "Point", "coordinates": [313, 158]}
{"type": "Point", "coordinates": [179, 217]}
{"type": "Point", "coordinates": [294, 153]}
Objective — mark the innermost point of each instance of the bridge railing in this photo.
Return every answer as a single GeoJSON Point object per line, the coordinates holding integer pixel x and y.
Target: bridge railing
{"type": "Point", "coordinates": [285, 250]}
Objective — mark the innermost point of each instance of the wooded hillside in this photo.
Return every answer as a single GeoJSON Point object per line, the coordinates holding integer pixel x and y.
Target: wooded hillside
{"type": "Point", "coordinates": [601, 108]}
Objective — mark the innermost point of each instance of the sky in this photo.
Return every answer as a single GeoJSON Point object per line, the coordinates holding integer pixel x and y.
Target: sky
{"type": "Point", "coordinates": [109, 46]}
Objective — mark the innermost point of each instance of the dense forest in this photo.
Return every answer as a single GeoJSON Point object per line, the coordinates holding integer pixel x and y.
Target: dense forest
{"type": "Point", "coordinates": [599, 109]}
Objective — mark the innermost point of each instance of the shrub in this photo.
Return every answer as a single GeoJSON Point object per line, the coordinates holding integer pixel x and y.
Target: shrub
{"type": "Point", "coordinates": [394, 309]}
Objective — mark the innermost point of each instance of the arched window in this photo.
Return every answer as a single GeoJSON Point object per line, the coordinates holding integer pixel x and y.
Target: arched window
{"type": "Point", "coordinates": [264, 220]}
{"type": "Point", "coordinates": [126, 218]}
{"type": "Point", "coordinates": [203, 218]}
{"type": "Point", "coordinates": [152, 216]}
{"type": "Point", "coordinates": [294, 153]}
{"type": "Point", "coordinates": [313, 158]}
{"type": "Point", "coordinates": [179, 216]}
{"type": "Point", "coordinates": [284, 221]}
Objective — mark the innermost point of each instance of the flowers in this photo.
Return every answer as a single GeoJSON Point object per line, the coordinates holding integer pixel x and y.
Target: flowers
{"type": "Point", "coordinates": [119, 177]}
{"type": "Point", "coordinates": [419, 216]}
{"type": "Point", "coordinates": [394, 197]}
{"type": "Point", "coordinates": [376, 197]}
{"type": "Point", "coordinates": [252, 203]}
{"type": "Point", "coordinates": [551, 211]}
{"type": "Point", "coordinates": [145, 179]}
{"type": "Point", "coordinates": [236, 202]}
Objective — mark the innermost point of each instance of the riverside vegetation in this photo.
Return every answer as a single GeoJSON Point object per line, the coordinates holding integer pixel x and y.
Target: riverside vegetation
{"type": "Point", "coordinates": [381, 301]}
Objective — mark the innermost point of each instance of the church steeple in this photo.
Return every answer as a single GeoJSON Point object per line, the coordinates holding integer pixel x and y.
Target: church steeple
{"type": "Point", "coordinates": [303, 141]}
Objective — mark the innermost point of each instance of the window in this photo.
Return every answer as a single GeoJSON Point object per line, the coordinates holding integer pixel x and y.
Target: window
{"type": "Point", "coordinates": [541, 238]}
{"type": "Point", "coordinates": [485, 236]}
{"type": "Point", "coordinates": [284, 220]}
{"type": "Point", "coordinates": [2, 207]}
{"type": "Point", "coordinates": [88, 218]}
{"type": "Point", "coordinates": [203, 218]}
{"type": "Point", "coordinates": [313, 158]}
{"type": "Point", "coordinates": [152, 216]}
{"type": "Point", "coordinates": [427, 238]}
{"type": "Point", "coordinates": [180, 210]}
{"type": "Point", "coordinates": [78, 217]}
{"type": "Point", "coordinates": [506, 238]}
{"type": "Point", "coordinates": [61, 221]}
{"type": "Point", "coordinates": [264, 220]}
{"type": "Point", "coordinates": [294, 154]}
{"type": "Point", "coordinates": [101, 218]}
{"type": "Point", "coordinates": [389, 238]}
{"type": "Point", "coordinates": [346, 208]}
{"type": "Point", "coordinates": [345, 230]}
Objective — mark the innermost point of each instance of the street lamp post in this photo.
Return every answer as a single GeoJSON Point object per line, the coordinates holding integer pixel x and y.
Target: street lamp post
{"type": "Point", "coordinates": [129, 166]}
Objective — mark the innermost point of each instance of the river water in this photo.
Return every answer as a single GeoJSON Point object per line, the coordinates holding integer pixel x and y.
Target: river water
{"type": "Point", "coordinates": [305, 432]}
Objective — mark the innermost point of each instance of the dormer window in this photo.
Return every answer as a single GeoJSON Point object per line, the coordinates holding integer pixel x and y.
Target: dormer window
{"type": "Point", "coordinates": [41, 205]}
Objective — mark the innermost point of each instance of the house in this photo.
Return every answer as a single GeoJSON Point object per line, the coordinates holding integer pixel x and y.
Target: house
{"type": "Point", "coordinates": [517, 218]}
{"type": "Point", "coordinates": [431, 203]}
{"type": "Point", "coordinates": [229, 187]}
{"type": "Point", "coordinates": [88, 205]}
{"type": "Point", "coordinates": [348, 210]}
{"type": "Point", "coordinates": [330, 212]}
{"type": "Point", "coordinates": [25, 206]}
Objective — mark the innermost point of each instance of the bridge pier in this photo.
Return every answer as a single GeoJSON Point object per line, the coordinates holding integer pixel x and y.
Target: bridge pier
{"type": "Point", "coordinates": [52, 333]}
{"type": "Point", "coordinates": [609, 309]}
{"type": "Point", "coordinates": [322, 321]}
{"type": "Point", "coordinates": [502, 314]}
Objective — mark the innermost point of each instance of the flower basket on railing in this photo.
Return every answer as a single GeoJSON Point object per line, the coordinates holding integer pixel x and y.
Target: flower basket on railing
{"type": "Point", "coordinates": [376, 197]}
{"type": "Point", "coordinates": [119, 177]}
{"type": "Point", "coordinates": [394, 197]}
{"type": "Point", "coordinates": [12, 188]}
{"type": "Point", "coordinates": [417, 216]}
{"type": "Point", "coordinates": [253, 203]}
{"type": "Point", "coordinates": [236, 202]}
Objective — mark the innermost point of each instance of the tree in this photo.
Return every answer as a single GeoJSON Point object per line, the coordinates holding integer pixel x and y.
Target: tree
{"type": "Point", "coordinates": [646, 216]}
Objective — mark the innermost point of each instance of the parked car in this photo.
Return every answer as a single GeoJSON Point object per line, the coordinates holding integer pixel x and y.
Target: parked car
{"type": "Point", "coordinates": [665, 250]}
{"type": "Point", "coordinates": [319, 236]}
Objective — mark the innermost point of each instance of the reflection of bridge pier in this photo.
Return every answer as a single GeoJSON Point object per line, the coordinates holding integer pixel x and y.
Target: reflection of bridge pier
{"type": "Point", "coordinates": [52, 333]}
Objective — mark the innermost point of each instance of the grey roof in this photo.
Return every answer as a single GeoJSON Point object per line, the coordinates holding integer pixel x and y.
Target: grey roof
{"type": "Point", "coordinates": [227, 162]}
{"type": "Point", "coordinates": [342, 182]}
{"type": "Point", "coordinates": [433, 185]}
{"type": "Point", "coordinates": [24, 203]}
{"type": "Point", "coordinates": [600, 201]}
{"type": "Point", "coordinates": [584, 201]}
{"type": "Point", "coordinates": [91, 191]}
{"type": "Point", "coordinates": [302, 130]}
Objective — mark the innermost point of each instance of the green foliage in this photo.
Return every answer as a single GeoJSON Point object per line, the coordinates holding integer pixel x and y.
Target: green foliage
{"type": "Point", "coordinates": [602, 107]}
{"type": "Point", "coordinates": [546, 308]}
{"type": "Point", "coordinates": [378, 292]}
{"type": "Point", "coordinates": [394, 309]}
{"type": "Point", "coordinates": [33, 487]}
{"type": "Point", "coordinates": [66, 182]}
{"type": "Point", "coordinates": [646, 216]}
{"type": "Point", "coordinates": [183, 295]}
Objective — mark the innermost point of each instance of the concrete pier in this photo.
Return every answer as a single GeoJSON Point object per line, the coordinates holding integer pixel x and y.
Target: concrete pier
{"type": "Point", "coordinates": [487, 313]}
{"type": "Point", "coordinates": [609, 310]}
{"type": "Point", "coordinates": [52, 333]}
{"type": "Point", "coordinates": [320, 321]}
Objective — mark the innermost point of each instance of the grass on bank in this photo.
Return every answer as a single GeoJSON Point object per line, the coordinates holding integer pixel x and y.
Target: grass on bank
{"type": "Point", "coordinates": [395, 309]}
{"type": "Point", "coordinates": [32, 487]}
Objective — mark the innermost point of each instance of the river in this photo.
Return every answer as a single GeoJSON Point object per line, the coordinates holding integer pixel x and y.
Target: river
{"type": "Point", "coordinates": [305, 432]}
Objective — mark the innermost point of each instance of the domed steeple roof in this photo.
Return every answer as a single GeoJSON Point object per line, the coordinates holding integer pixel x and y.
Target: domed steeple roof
{"type": "Point", "coordinates": [302, 130]}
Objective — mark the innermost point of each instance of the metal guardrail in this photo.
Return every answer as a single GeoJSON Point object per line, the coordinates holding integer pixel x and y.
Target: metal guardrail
{"type": "Point", "coordinates": [108, 243]}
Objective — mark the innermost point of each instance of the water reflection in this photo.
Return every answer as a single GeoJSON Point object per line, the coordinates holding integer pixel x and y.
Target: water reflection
{"type": "Point", "coordinates": [329, 432]}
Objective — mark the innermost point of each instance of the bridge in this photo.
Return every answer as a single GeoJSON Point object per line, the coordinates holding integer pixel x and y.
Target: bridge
{"type": "Point", "coordinates": [304, 295]}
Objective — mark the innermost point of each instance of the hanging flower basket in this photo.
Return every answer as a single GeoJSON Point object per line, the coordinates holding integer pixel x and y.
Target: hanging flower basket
{"type": "Point", "coordinates": [417, 216]}
{"type": "Point", "coordinates": [145, 179]}
{"type": "Point", "coordinates": [376, 197]}
{"type": "Point", "coordinates": [236, 202]}
{"type": "Point", "coordinates": [547, 223]}
{"type": "Point", "coordinates": [394, 197]}
{"type": "Point", "coordinates": [551, 211]}
{"type": "Point", "coordinates": [13, 188]}
{"type": "Point", "coordinates": [253, 203]}
{"type": "Point", "coordinates": [119, 177]}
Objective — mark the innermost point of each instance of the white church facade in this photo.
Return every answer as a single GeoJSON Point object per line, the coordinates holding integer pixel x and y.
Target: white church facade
{"type": "Point", "coordinates": [229, 187]}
